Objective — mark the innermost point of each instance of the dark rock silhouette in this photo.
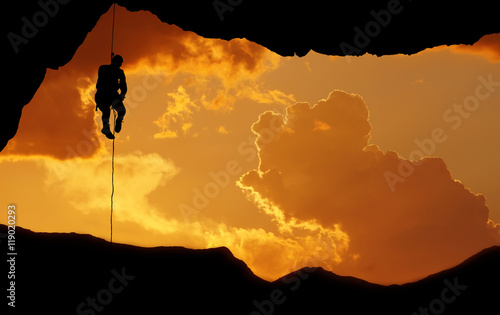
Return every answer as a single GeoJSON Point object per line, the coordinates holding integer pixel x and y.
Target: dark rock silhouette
{"type": "Point", "coordinates": [48, 32]}
{"type": "Point", "coordinates": [68, 273]}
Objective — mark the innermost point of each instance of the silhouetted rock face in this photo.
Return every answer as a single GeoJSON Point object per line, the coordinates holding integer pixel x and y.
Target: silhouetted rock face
{"type": "Point", "coordinates": [48, 32]}
{"type": "Point", "coordinates": [68, 273]}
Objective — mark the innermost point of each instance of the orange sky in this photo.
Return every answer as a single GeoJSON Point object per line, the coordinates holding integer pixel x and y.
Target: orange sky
{"type": "Point", "coordinates": [287, 161]}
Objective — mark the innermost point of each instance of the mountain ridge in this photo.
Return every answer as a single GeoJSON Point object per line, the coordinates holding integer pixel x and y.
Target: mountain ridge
{"type": "Point", "coordinates": [64, 273]}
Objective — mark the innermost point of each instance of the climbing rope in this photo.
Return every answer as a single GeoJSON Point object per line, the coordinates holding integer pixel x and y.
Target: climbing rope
{"type": "Point", "coordinates": [114, 123]}
{"type": "Point", "coordinates": [112, 178]}
{"type": "Point", "coordinates": [113, 31]}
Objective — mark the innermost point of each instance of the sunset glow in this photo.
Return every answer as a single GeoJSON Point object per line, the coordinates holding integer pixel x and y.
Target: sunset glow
{"type": "Point", "coordinates": [381, 168]}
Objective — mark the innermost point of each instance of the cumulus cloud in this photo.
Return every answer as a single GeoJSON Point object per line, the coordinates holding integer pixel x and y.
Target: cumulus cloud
{"type": "Point", "coordinates": [316, 165]}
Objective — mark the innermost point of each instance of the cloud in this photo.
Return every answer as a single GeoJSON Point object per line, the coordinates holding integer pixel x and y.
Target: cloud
{"type": "Point", "coordinates": [177, 115]}
{"type": "Point", "coordinates": [137, 175]}
{"type": "Point", "coordinates": [56, 121]}
{"type": "Point", "coordinates": [488, 46]}
{"type": "Point", "coordinates": [223, 130]}
{"type": "Point", "coordinates": [316, 165]}
{"type": "Point", "coordinates": [272, 255]}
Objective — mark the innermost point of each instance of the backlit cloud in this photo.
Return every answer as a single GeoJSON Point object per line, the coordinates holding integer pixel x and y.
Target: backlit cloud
{"type": "Point", "coordinates": [488, 45]}
{"type": "Point", "coordinates": [216, 74]}
{"type": "Point", "coordinates": [57, 119]}
{"type": "Point", "coordinates": [177, 116]}
{"type": "Point", "coordinates": [316, 165]}
{"type": "Point", "coordinates": [137, 175]}
{"type": "Point", "coordinates": [272, 255]}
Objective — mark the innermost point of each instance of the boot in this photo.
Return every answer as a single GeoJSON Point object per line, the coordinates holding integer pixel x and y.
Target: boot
{"type": "Point", "coordinates": [118, 125]}
{"type": "Point", "coordinates": [107, 132]}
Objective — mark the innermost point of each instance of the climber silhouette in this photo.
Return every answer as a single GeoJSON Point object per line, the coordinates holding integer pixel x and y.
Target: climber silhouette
{"type": "Point", "coordinates": [110, 79]}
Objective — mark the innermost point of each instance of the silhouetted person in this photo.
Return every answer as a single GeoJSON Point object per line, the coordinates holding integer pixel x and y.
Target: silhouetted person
{"type": "Point", "coordinates": [111, 79]}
